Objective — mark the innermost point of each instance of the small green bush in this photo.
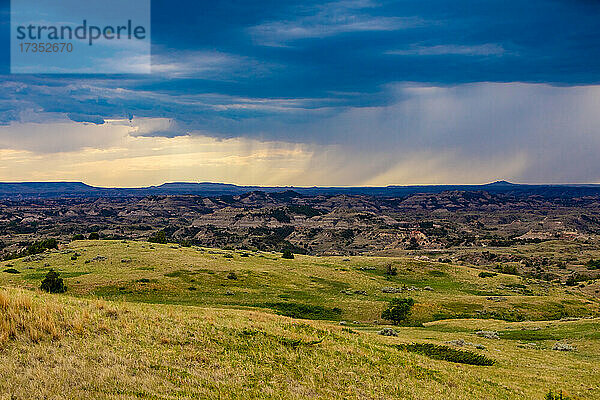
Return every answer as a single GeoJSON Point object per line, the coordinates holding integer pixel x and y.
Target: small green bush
{"type": "Point", "coordinates": [94, 236]}
{"type": "Point", "coordinates": [486, 274]}
{"type": "Point", "coordinates": [158, 237]}
{"type": "Point", "coordinates": [78, 236]}
{"type": "Point", "coordinates": [398, 310]}
{"type": "Point", "coordinates": [52, 283]}
{"type": "Point", "coordinates": [288, 255]}
{"type": "Point", "coordinates": [11, 271]}
{"type": "Point", "coordinates": [306, 311]}
{"type": "Point", "coordinates": [232, 275]}
{"type": "Point", "coordinates": [557, 396]}
{"type": "Point", "coordinates": [446, 353]}
{"type": "Point", "coordinates": [41, 246]}
{"type": "Point", "coordinates": [593, 264]}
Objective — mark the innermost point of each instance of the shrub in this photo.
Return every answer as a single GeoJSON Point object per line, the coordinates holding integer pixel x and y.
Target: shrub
{"type": "Point", "coordinates": [158, 237]}
{"type": "Point", "coordinates": [574, 279]}
{"type": "Point", "coordinates": [593, 264]}
{"type": "Point", "coordinates": [486, 274]}
{"type": "Point", "coordinates": [232, 275]}
{"type": "Point", "coordinates": [306, 311]}
{"type": "Point", "coordinates": [413, 244]}
{"type": "Point", "coordinates": [78, 236]}
{"type": "Point", "coordinates": [36, 248]}
{"type": "Point", "coordinates": [398, 310]}
{"type": "Point", "coordinates": [288, 255]}
{"type": "Point", "coordinates": [508, 269]}
{"type": "Point", "coordinates": [446, 353]}
{"type": "Point", "coordinates": [52, 283]}
{"type": "Point", "coordinates": [11, 271]}
{"type": "Point", "coordinates": [304, 210]}
{"type": "Point", "coordinates": [94, 236]}
{"type": "Point", "coordinates": [185, 243]}
{"type": "Point", "coordinates": [41, 246]}
{"type": "Point", "coordinates": [279, 215]}
{"type": "Point", "coordinates": [557, 396]}
{"type": "Point", "coordinates": [391, 270]}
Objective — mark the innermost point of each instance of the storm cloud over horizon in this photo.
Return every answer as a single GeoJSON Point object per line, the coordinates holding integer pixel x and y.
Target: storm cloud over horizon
{"type": "Point", "coordinates": [349, 92]}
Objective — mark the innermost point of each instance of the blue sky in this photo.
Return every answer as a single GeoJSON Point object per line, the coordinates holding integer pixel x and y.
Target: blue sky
{"type": "Point", "coordinates": [347, 92]}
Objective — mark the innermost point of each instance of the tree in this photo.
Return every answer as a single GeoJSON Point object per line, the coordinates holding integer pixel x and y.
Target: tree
{"type": "Point", "coordinates": [52, 283]}
{"type": "Point", "coordinates": [413, 245]}
{"type": "Point", "coordinates": [287, 254]}
{"type": "Point", "coordinates": [158, 237]}
{"type": "Point", "coordinates": [94, 236]}
{"type": "Point", "coordinates": [78, 236]}
{"type": "Point", "coordinates": [398, 310]}
{"type": "Point", "coordinates": [41, 246]}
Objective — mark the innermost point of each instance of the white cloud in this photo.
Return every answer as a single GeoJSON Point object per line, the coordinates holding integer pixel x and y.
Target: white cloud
{"type": "Point", "coordinates": [328, 20]}
{"type": "Point", "coordinates": [488, 49]}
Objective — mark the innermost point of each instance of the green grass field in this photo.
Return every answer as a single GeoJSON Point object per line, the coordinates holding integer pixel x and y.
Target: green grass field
{"type": "Point", "coordinates": [154, 321]}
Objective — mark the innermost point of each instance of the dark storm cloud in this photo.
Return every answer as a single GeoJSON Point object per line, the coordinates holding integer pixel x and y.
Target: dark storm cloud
{"type": "Point", "coordinates": [335, 73]}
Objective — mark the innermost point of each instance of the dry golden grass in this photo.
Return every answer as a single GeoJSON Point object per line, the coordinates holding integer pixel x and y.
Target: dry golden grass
{"type": "Point", "coordinates": [20, 317]}
{"type": "Point", "coordinates": [59, 347]}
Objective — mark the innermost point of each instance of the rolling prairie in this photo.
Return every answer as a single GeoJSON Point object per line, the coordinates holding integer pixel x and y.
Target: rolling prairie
{"type": "Point", "coordinates": [153, 321]}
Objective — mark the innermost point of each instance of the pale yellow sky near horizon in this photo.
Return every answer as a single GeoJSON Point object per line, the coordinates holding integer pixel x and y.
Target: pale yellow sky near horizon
{"type": "Point", "coordinates": [112, 155]}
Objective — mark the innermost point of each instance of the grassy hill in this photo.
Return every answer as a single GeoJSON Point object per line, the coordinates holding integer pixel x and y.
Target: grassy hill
{"type": "Point", "coordinates": [341, 288]}
{"type": "Point", "coordinates": [153, 321]}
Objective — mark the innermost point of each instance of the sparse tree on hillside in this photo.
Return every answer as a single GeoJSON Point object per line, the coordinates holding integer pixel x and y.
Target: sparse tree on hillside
{"type": "Point", "coordinates": [158, 237]}
{"type": "Point", "coordinates": [287, 254]}
{"type": "Point", "coordinates": [52, 283]}
{"type": "Point", "coordinates": [398, 310]}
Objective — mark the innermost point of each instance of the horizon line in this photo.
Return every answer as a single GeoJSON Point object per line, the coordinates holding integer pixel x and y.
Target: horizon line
{"type": "Point", "coordinates": [497, 182]}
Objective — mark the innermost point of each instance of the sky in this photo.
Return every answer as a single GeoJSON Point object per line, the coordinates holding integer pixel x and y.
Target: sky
{"type": "Point", "coordinates": [340, 93]}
